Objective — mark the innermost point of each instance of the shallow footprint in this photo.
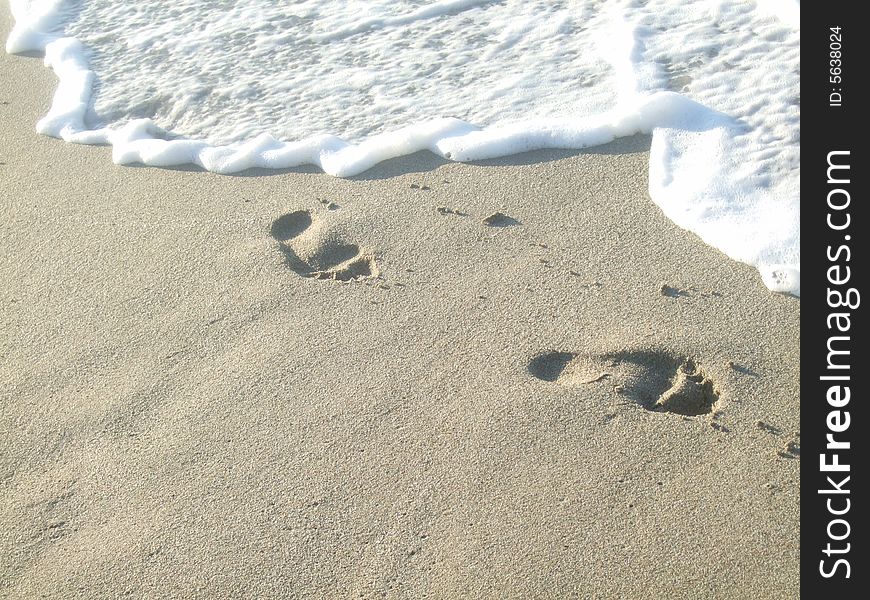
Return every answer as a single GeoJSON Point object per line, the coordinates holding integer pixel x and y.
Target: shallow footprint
{"type": "Point", "coordinates": [655, 380]}
{"type": "Point", "coordinates": [310, 257]}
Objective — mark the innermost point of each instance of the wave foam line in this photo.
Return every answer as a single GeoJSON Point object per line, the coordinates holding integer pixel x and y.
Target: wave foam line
{"type": "Point", "coordinates": [692, 177]}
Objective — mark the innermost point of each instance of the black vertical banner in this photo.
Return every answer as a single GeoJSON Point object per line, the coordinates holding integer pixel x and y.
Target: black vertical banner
{"type": "Point", "coordinates": [834, 395]}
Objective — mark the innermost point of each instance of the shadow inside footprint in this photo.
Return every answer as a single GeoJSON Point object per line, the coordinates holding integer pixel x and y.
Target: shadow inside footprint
{"type": "Point", "coordinates": [331, 254]}
{"type": "Point", "coordinates": [294, 263]}
{"type": "Point", "coordinates": [655, 380]}
{"type": "Point", "coordinates": [550, 365]}
{"type": "Point", "coordinates": [291, 225]}
{"type": "Point", "coordinates": [500, 220]}
{"type": "Point", "coordinates": [340, 262]}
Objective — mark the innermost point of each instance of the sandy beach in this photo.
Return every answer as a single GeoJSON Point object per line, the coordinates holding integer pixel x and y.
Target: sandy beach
{"type": "Point", "coordinates": [289, 385]}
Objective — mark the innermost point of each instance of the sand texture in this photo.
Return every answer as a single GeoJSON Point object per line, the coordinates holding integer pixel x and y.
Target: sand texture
{"type": "Point", "coordinates": [515, 379]}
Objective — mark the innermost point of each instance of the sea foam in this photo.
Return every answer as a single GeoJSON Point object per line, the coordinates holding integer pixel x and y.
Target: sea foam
{"type": "Point", "coordinates": [345, 85]}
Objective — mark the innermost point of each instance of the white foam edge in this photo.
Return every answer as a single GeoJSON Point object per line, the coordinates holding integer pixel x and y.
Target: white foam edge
{"type": "Point", "coordinates": [32, 21]}
{"type": "Point", "coordinates": [140, 140]}
{"type": "Point", "coordinates": [662, 114]}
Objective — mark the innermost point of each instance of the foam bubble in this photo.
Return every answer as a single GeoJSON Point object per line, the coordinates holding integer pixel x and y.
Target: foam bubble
{"type": "Point", "coordinates": [346, 85]}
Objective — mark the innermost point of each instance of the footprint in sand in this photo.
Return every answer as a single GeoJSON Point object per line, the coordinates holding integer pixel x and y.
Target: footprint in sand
{"type": "Point", "coordinates": [656, 380]}
{"type": "Point", "coordinates": [312, 252]}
